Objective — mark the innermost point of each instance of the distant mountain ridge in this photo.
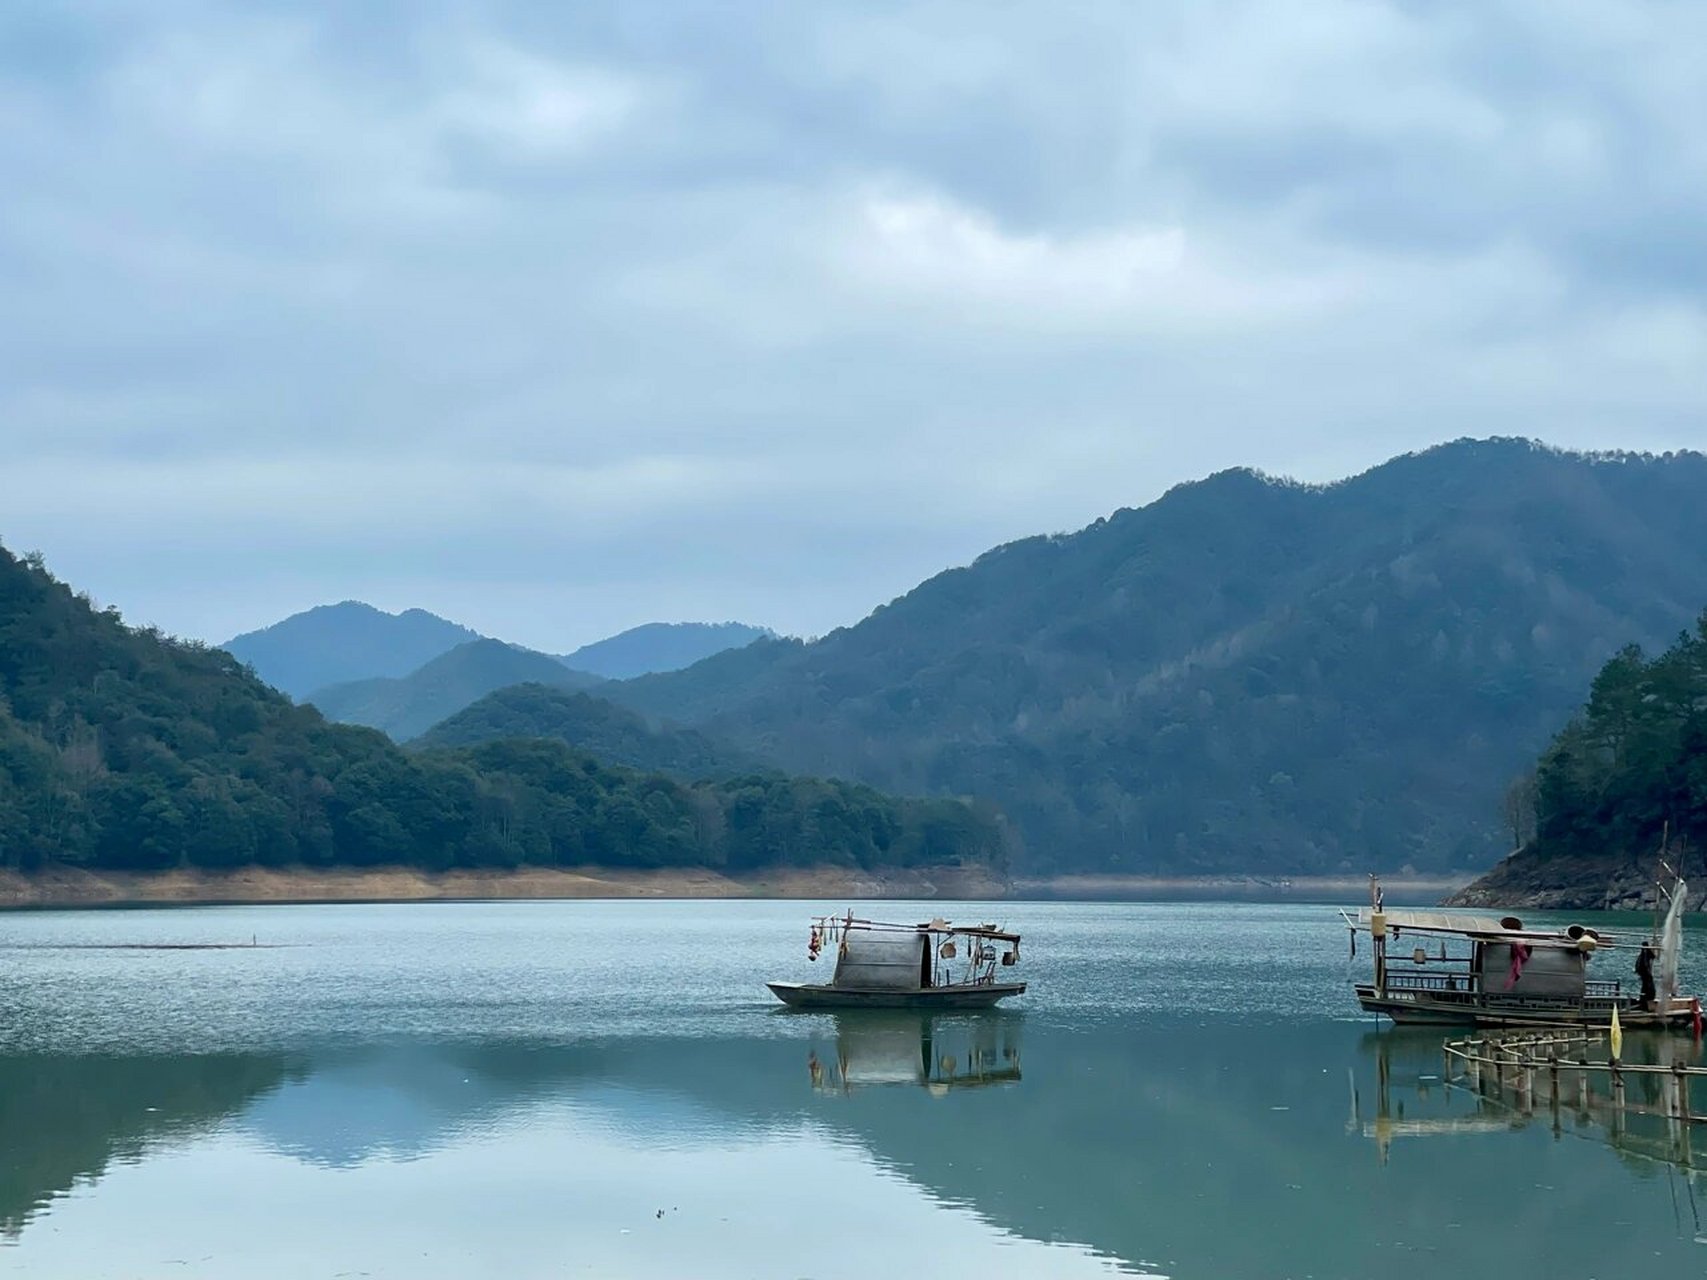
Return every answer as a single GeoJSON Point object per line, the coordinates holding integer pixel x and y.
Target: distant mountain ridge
{"type": "Point", "coordinates": [336, 644]}
{"type": "Point", "coordinates": [660, 646]}
{"type": "Point", "coordinates": [333, 643]}
{"type": "Point", "coordinates": [406, 707]}
{"type": "Point", "coordinates": [1248, 673]}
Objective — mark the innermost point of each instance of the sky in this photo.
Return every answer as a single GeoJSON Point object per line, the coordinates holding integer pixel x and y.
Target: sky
{"type": "Point", "coordinates": [556, 319]}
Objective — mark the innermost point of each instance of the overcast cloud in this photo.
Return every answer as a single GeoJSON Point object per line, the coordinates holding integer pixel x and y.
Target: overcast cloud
{"type": "Point", "coordinates": [555, 319]}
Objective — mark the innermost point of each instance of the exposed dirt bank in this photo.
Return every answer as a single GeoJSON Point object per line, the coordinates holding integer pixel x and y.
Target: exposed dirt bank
{"type": "Point", "coordinates": [73, 887]}
{"type": "Point", "coordinates": [60, 886]}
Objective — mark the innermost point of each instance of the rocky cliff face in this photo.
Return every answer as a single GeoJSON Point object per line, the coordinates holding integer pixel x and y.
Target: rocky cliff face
{"type": "Point", "coordinates": [1627, 882]}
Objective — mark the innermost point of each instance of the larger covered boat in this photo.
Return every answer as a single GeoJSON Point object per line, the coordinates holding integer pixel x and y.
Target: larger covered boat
{"type": "Point", "coordinates": [1449, 968]}
{"type": "Point", "coordinates": [935, 965]}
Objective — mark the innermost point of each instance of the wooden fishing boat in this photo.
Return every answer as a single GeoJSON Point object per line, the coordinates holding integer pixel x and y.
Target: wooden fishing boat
{"type": "Point", "coordinates": [1443, 968]}
{"type": "Point", "coordinates": [935, 965]}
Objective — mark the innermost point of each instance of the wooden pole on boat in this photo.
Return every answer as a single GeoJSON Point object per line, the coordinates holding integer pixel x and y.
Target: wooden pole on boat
{"type": "Point", "coordinates": [1659, 883]}
{"type": "Point", "coordinates": [1378, 935]}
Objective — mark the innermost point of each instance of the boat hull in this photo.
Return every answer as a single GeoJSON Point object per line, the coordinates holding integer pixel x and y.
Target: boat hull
{"type": "Point", "coordinates": [1418, 1009]}
{"type": "Point", "coordinates": [981, 995]}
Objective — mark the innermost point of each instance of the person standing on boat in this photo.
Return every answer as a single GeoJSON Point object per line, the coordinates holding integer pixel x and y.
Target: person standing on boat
{"type": "Point", "coordinates": [1645, 971]}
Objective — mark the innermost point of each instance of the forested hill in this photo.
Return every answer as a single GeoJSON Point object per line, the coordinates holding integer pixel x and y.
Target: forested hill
{"type": "Point", "coordinates": [613, 734]}
{"type": "Point", "coordinates": [120, 748]}
{"type": "Point", "coordinates": [1247, 674]}
{"type": "Point", "coordinates": [1628, 773]}
{"type": "Point", "coordinates": [339, 642]}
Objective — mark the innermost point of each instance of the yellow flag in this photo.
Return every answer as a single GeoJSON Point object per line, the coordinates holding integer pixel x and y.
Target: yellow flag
{"type": "Point", "coordinates": [1617, 1036]}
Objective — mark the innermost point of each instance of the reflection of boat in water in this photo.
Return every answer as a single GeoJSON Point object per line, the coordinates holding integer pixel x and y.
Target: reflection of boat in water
{"type": "Point", "coordinates": [906, 966]}
{"type": "Point", "coordinates": [1446, 968]}
{"type": "Point", "coordinates": [939, 1053]}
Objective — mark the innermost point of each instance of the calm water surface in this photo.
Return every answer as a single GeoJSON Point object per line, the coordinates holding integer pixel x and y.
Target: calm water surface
{"type": "Point", "coordinates": [606, 1089]}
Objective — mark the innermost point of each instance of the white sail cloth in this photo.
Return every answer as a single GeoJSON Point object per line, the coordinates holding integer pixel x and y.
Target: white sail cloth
{"type": "Point", "coordinates": [1671, 945]}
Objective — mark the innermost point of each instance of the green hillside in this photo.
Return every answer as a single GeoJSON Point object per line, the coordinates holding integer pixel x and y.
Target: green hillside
{"type": "Point", "coordinates": [1626, 775]}
{"type": "Point", "coordinates": [1247, 674]}
{"type": "Point", "coordinates": [121, 748]}
{"type": "Point", "coordinates": [611, 733]}
{"type": "Point", "coordinates": [407, 707]}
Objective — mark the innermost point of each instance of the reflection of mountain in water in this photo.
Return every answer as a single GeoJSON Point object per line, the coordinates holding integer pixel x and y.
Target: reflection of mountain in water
{"type": "Point", "coordinates": [66, 1119]}
{"type": "Point", "coordinates": [1172, 1144]}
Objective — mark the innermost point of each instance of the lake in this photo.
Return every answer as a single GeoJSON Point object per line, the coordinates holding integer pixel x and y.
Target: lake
{"type": "Point", "coordinates": [606, 1089]}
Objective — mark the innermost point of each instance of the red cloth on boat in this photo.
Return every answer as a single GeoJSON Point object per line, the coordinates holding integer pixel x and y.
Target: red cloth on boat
{"type": "Point", "coordinates": [1519, 957]}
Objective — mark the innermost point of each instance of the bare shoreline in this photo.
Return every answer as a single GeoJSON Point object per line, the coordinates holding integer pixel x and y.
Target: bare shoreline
{"type": "Point", "coordinates": [61, 887]}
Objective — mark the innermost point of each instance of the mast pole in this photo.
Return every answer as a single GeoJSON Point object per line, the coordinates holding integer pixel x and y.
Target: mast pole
{"type": "Point", "coordinates": [1378, 935]}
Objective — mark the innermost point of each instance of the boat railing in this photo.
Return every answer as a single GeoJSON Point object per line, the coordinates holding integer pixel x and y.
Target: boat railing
{"type": "Point", "coordinates": [1464, 983]}
{"type": "Point", "coordinates": [1423, 980]}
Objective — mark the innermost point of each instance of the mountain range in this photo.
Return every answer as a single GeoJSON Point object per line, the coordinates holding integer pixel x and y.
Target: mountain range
{"type": "Point", "coordinates": [1248, 673]}
{"type": "Point", "coordinates": [334, 643]}
{"type": "Point", "coordinates": [308, 653]}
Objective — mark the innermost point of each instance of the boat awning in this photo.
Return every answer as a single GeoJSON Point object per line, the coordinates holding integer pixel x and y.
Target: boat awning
{"type": "Point", "coordinates": [1470, 925]}
{"type": "Point", "coordinates": [1436, 921]}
